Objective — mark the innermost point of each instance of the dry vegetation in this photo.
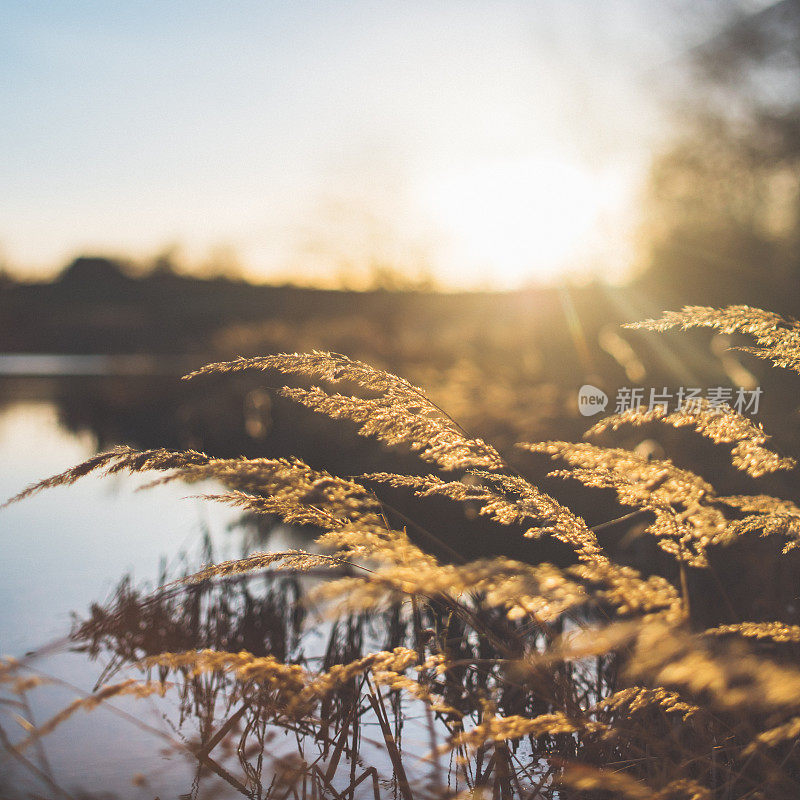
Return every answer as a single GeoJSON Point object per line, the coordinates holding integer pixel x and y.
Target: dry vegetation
{"type": "Point", "coordinates": [491, 678]}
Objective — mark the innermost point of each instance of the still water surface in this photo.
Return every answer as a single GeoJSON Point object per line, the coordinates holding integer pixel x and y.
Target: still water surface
{"type": "Point", "coordinates": [62, 550]}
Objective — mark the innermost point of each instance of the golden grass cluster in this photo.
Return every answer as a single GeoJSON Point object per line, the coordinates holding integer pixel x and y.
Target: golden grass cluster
{"type": "Point", "coordinates": [534, 680]}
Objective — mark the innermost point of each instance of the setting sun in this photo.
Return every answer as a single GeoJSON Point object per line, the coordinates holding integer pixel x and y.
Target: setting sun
{"type": "Point", "coordinates": [523, 219]}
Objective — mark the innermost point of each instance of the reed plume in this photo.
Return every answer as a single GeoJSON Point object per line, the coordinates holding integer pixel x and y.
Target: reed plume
{"type": "Point", "coordinates": [777, 339]}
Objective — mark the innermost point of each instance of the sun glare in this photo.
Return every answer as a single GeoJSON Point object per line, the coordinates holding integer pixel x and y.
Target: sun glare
{"type": "Point", "coordinates": [516, 221]}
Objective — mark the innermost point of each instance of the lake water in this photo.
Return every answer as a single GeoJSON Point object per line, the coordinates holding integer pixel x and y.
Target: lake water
{"type": "Point", "coordinates": [63, 550]}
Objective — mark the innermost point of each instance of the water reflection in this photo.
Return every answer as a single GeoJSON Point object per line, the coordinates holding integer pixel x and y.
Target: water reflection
{"type": "Point", "coordinates": [67, 549]}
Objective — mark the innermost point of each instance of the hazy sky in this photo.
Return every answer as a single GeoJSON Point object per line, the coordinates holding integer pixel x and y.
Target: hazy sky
{"type": "Point", "coordinates": [493, 142]}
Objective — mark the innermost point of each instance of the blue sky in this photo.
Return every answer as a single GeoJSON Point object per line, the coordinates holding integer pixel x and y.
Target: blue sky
{"type": "Point", "coordinates": [313, 138]}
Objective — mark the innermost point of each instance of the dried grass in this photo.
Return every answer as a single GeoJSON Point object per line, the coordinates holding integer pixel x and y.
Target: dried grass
{"type": "Point", "coordinates": [535, 680]}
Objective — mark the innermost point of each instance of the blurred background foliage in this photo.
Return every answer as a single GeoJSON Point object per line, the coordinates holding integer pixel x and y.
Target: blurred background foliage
{"type": "Point", "coordinates": [722, 209]}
